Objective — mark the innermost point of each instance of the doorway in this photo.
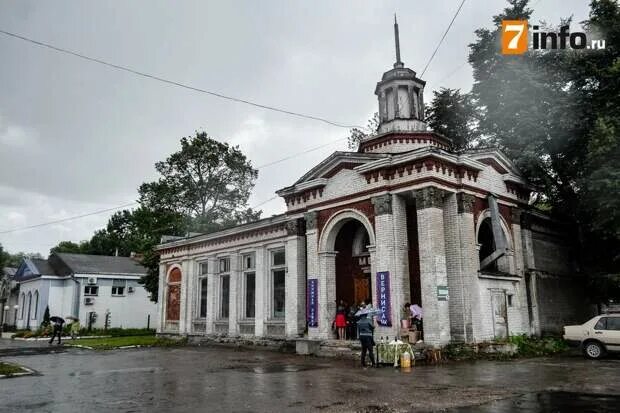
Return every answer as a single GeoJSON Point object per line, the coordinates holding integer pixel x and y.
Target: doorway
{"type": "Point", "coordinates": [352, 264]}
{"type": "Point", "coordinates": [500, 313]}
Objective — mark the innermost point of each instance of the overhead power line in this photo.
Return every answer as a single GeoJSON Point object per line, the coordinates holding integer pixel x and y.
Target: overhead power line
{"type": "Point", "coordinates": [175, 83]}
{"type": "Point", "coordinates": [442, 38]}
{"type": "Point", "coordinates": [136, 203]}
{"type": "Point", "coordinates": [58, 221]}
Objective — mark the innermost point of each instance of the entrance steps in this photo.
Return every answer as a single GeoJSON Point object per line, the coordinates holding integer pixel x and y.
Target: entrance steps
{"type": "Point", "coordinates": [352, 349]}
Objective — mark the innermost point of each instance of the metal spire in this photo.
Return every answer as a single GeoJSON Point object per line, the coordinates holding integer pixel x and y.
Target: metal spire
{"type": "Point", "coordinates": [398, 62]}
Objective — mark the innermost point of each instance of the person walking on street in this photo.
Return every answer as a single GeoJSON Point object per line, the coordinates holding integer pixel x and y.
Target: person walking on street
{"type": "Point", "coordinates": [365, 330]}
{"type": "Point", "coordinates": [57, 328]}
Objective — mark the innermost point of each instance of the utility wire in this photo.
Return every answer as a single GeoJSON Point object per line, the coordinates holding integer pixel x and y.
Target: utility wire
{"type": "Point", "coordinates": [69, 218]}
{"type": "Point", "coordinates": [442, 38]}
{"type": "Point", "coordinates": [175, 83]}
{"type": "Point", "coordinates": [136, 203]}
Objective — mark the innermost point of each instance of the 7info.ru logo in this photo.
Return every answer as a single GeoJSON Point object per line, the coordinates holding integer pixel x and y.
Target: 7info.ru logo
{"type": "Point", "coordinates": [514, 36]}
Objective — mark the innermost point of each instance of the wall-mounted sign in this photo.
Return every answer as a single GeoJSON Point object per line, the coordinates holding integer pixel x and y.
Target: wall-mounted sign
{"type": "Point", "coordinates": [383, 299]}
{"type": "Point", "coordinates": [312, 305]}
{"type": "Point", "coordinates": [442, 293]}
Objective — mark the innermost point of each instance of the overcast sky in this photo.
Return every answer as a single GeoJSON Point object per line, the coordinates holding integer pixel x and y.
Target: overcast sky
{"type": "Point", "coordinates": [77, 137]}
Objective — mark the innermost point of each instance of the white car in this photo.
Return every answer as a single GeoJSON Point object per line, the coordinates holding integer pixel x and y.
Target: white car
{"type": "Point", "coordinates": [597, 336]}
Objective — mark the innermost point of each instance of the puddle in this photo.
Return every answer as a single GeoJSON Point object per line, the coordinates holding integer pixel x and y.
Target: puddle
{"type": "Point", "coordinates": [276, 368]}
{"type": "Point", "coordinates": [550, 402]}
{"type": "Point", "coordinates": [116, 371]}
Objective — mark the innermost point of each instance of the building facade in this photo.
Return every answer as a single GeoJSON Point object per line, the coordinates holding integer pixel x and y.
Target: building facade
{"type": "Point", "coordinates": [95, 289]}
{"type": "Point", "coordinates": [403, 219]}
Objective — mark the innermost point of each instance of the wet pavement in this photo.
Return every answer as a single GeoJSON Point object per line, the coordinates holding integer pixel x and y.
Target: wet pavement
{"type": "Point", "coordinates": [218, 379]}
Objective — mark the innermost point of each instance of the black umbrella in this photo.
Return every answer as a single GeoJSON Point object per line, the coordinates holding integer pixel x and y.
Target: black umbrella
{"type": "Point", "coordinates": [58, 320]}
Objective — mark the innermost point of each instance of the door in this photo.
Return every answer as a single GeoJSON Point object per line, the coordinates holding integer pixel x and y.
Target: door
{"type": "Point", "coordinates": [361, 289]}
{"type": "Point", "coordinates": [612, 336]}
{"type": "Point", "coordinates": [500, 315]}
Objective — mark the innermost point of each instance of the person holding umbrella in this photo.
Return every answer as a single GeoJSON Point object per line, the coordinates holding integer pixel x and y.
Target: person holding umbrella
{"type": "Point", "coordinates": [58, 323]}
{"type": "Point", "coordinates": [365, 330]}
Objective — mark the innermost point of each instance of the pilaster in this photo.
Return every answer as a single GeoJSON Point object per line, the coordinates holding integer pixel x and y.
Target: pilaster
{"type": "Point", "coordinates": [235, 287]}
{"type": "Point", "coordinates": [312, 257]}
{"type": "Point", "coordinates": [433, 270]}
{"type": "Point", "coordinates": [295, 278]}
{"type": "Point", "coordinates": [262, 292]}
{"type": "Point", "coordinates": [161, 298]}
{"type": "Point", "coordinates": [212, 290]}
{"type": "Point", "coordinates": [184, 318]}
{"type": "Point", "coordinates": [327, 296]}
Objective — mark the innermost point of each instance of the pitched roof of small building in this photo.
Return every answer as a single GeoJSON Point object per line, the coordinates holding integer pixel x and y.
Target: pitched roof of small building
{"type": "Point", "coordinates": [101, 264]}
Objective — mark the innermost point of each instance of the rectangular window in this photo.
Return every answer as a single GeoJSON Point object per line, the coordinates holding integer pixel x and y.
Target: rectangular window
{"type": "Point", "coordinates": [278, 293]}
{"type": "Point", "coordinates": [203, 298]}
{"type": "Point", "coordinates": [118, 287]}
{"type": "Point", "coordinates": [277, 258]}
{"type": "Point", "coordinates": [204, 268]}
{"type": "Point", "coordinates": [613, 323]}
{"type": "Point", "coordinates": [248, 262]}
{"type": "Point", "coordinates": [91, 290]}
{"type": "Point", "coordinates": [224, 265]}
{"type": "Point", "coordinates": [250, 294]}
{"type": "Point", "coordinates": [224, 295]}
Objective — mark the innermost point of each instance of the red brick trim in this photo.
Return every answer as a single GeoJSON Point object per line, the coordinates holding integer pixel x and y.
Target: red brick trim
{"type": "Point", "coordinates": [411, 137]}
{"type": "Point", "coordinates": [429, 179]}
{"type": "Point", "coordinates": [364, 207]}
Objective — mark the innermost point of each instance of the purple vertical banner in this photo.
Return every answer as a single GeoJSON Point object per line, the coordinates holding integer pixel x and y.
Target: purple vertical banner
{"type": "Point", "coordinates": [312, 304]}
{"type": "Point", "coordinates": [383, 299]}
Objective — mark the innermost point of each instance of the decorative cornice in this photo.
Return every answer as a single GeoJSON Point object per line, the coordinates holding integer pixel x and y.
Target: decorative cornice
{"type": "Point", "coordinates": [430, 197]}
{"type": "Point", "coordinates": [311, 220]}
{"type": "Point", "coordinates": [465, 203]}
{"type": "Point", "coordinates": [389, 138]}
{"type": "Point", "coordinates": [383, 204]}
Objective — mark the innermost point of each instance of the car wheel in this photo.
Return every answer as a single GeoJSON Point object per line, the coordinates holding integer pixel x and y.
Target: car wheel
{"type": "Point", "coordinates": [593, 350]}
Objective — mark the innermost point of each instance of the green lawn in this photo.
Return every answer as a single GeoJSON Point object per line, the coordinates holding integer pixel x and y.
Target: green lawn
{"type": "Point", "coordinates": [9, 369]}
{"type": "Point", "coordinates": [115, 342]}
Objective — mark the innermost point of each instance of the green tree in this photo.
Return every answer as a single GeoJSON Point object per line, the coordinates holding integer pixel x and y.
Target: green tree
{"type": "Point", "coordinates": [207, 181]}
{"type": "Point", "coordinates": [451, 114]}
{"type": "Point", "coordinates": [71, 247]}
{"type": "Point", "coordinates": [356, 135]}
{"type": "Point", "coordinates": [46, 317]}
{"type": "Point", "coordinates": [556, 114]}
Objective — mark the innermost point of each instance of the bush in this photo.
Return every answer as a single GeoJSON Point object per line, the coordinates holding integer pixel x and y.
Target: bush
{"type": "Point", "coordinates": [534, 346]}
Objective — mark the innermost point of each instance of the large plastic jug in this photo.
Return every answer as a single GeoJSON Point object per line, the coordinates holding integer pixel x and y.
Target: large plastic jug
{"type": "Point", "coordinates": [405, 360]}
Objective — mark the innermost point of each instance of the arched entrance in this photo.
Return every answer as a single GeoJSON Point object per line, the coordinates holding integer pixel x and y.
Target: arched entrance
{"type": "Point", "coordinates": [173, 297]}
{"type": "Point", "coordinates": [352, 263]}
{"type": "Point", "coordinates": [345, 262]}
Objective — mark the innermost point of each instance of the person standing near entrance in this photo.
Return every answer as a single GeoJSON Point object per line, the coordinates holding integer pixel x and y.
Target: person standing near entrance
{"type": "Point", "coordinates": [365, 330]}
{"type": "Point", "coordinates": [341, 321]}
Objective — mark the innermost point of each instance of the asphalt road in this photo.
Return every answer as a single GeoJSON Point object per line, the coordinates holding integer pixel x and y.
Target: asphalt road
{"type": "Point", "coordinates": [214, 379]}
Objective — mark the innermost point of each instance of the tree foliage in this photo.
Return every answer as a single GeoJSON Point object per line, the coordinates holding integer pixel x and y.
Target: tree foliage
{"type": "Point", "coordinates": [203, 187]}
{"type": "Point", "coordinates": [451, 114]}
{"type": "Point", "coordinates": [206, 180]}
{"type": "Point", "coordinates": [357, 135]}
{"type": "Point", "coordinates": [557, 115]}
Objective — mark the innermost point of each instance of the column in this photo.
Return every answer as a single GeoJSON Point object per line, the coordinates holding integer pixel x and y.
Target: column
{"type": "Point", "coordinates": [161, 299]}
{"type": "Point", "coordinates": [312, 259]}
{"type": "Point", "coordinates": [295, 314]}
{"type": "Point", "coordinates": [433, 272]}
{"type": "Point", "coordinates": [212, 289]}
{"type": "Point", "coordinates": [262, 277]}
{"type": "Point", "coordinates": [396, 108]}
{"type": "Point", "coordinates": [470, 265]}
{"type": "Point", "coordinates": [390, 254]}
{"type": "Point", "coordinates": [235, 288]}
{"type": "Point", "coordinates": [327, 292]}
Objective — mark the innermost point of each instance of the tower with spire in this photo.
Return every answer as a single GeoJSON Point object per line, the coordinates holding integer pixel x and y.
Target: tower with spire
{"type": "Point", "coordinates": [400, 94]}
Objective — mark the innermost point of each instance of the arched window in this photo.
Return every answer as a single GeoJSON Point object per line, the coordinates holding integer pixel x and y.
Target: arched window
{"type": "Point", "coordinates": [173, 295]}
{"type": "Point", "coordinates": [23, 306]}
{"type": "Point", "coordinates": [36, 304]}
{"type": "Point", "coordinates": [29, 304]}
{"type": "Point", "coordinates": [486, 241]}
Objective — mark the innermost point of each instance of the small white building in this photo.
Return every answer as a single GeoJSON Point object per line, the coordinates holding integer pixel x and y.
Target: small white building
{"type": "Point", "coordinates": [93, 288]}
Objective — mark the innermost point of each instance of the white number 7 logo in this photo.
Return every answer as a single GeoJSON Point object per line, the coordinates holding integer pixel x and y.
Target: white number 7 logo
{"type": "Point", "coordinates": [519, 28]}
